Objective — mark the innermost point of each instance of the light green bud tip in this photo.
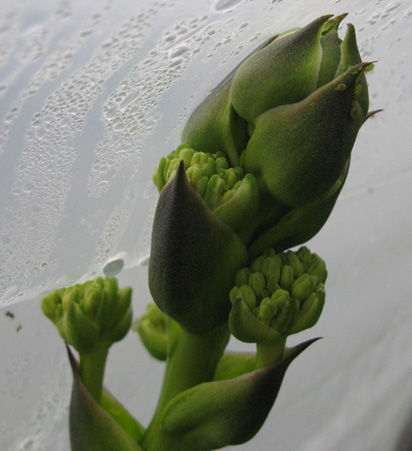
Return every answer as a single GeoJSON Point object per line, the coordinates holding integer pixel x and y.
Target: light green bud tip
{"type": "Point", "coordinates": [153, 328]}
{"type": "Point", "coordinates": [231, 194]}
{"type": "Point", "coordinates": [208, 173]}
{"type": "Point", "coordinates": [284, 291]}
{"type": "Point", "coordinates": [91, 315]}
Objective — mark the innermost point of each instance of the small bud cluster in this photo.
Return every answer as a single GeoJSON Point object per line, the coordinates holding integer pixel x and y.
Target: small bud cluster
{"type": "Point", "coordinates": [285, 291]}
{"type": "Point", "coordinates": [209, 174]}
{"type": "Point", "coordinates": [153, 329]}
{"type": "Point", "coordinates": [90, 315]}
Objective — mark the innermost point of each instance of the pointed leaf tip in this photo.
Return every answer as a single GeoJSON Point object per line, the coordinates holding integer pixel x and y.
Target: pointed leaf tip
{"type": "Point", "coordinates": [226, 412]}
{"type": "Point", "coordinates": [91, 427]}
{"type": "Point", "coordinates": [193, 254]}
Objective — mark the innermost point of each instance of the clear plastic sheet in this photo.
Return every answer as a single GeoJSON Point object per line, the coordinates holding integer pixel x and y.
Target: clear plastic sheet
{"type": "Point", "coordinates": [92, 94]}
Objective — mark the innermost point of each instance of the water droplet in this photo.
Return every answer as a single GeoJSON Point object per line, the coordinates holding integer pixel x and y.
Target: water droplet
{"type": "Point", "coordinates": [225, 5]}
{"type": "Point", "coordinates": [10, 292]}
{"type": "Point", "coordinates": [179, 51]}
{"type": "Point", "coordinates": [27, 187]}
{"type": "Point", "coordinates": [114, 265]}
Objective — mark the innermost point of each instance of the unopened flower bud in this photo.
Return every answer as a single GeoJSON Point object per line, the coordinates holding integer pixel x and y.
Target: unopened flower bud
{"type": "Point", "coordinates": [317, 267]}
{"type": "Point", "coordinates": [247, 295]}
{"type": "Point", "coordinates": [91, 315]}
{"type": "Point", "coordinates": [302, 287]}
{"type": "Point", "coordinates": [242, 277]}
{"type": "Point", "coordinates": [282, 301]}
{"type": "Point", "coordinates": [286, 277]}
{"type": "Point", "coordinates": [232, 195]}
{"type": "Point", "coordinates": [257, 283]}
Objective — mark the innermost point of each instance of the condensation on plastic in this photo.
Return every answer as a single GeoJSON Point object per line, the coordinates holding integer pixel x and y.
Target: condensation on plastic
{"type": "Point", "coordinates": [92, 94]}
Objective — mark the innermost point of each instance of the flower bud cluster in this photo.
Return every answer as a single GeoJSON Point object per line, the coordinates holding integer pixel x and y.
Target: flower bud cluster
{"type": "Point", "coordinates": [209, 174]}
{"type": "Point", "coordinates": [284, 291]}
{"type": "Point", "coordinates": [90, 315]}
{"type": "Point", "coordinates": [153, 329]}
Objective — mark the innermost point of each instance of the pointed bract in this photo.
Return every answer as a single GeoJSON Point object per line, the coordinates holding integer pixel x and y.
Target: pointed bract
{"type": "Point", "coordinates": [228, 412]}
{"type": "Point", "coordinates": [298, 152]}
{"type": "Point", "coordinates": [194, 258]}
{"type": "Point", "coordinates": [299, 225]}
{"type": "Point", "coordinates": [216, 127]}
{"type": "Point", "coordinates": [91, 427]}
{"type": "Point", "coordinates": [350, 56]}
{"type": "Point", "coordinates": [283, 72]}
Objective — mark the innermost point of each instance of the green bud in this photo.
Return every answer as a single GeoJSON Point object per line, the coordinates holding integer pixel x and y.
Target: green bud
{"type": "Point", "coordinates": [242, 277]}
{"type": "Point", "coordinates": [120, 329]}
{"type": "Point", "coordinates": [310, 311]}
{"type": "Point", "coordinates": [283, 72]}
{"type": "Point", "coordinates": [273, 284]}
{"type": "Point", "coordinates": [92, 299]}
{"type": "Point", "coordinates": [294, 263]}
{"type": "Point", "coordinates": [285, 311]}
{"type": "Point", "coordinates": [155, 342]}
{"type": "Point", "coordinates": [80, 331]}
{"type": "Point", "coordinates": [49, 305]}
{"type": "Point", "coordinates": [258, 283]}
{"type": "Point", "coordinates": [302, 287]}
{"type": "Point", "coordinates": [284, 295]}
{"type": "Point", "coordinates": [300, 151]}
{"type": "Point", "coordinates": [153, 328]}
{"type": "Point", "coordinates": [247, 295]}
{"type": "Point", "coordinates": [271, 269]}
{"type": "Point", "coordinates": [257, 264]}
{"type": "Point", "coordinates": [267, 311]}
{"type": "Point", "coordinates": [90, 316]}
{"type": "Point", "coordinates": [231, 195]}
{"type": "Point", "coordinates": [317, 268]}
{"type": "Point", "coordinates": [304, 255]}
{"type": "Point", "coordinates": [124, 301]}
{"type": "Point", "coordinates": [286, 277]}
{"type": "Point", "coordinates": [158, 175]}
{"type": "Point", "coordinates": [70, 296]}
{"type": "Point", "coordinates": [248, 327]}
{"type": "Point", "coordinates": [289, 115]}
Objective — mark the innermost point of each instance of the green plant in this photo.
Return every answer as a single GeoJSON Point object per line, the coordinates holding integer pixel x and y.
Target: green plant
{"type": "Point", "coordinates": [262, 163]}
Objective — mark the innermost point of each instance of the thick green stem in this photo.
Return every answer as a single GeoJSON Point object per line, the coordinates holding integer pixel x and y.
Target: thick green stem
{"type": "Point", "coordinates": [269, 354]}
{"type": "Point", "coordinates": [192, 360]}
{"type": "Point", "coordinates": [91, 371]}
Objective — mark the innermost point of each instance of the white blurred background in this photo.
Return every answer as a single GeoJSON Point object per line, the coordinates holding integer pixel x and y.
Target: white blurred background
{"type": "Point", "coordinates": [92, 94]}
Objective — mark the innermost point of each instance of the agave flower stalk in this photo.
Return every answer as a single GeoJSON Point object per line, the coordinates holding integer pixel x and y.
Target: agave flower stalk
{"type": "Point", "coordinates": [262, 162]}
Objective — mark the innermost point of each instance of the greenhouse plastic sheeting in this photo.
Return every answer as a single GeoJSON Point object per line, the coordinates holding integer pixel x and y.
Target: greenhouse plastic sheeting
{"type": "Point", "coordinates": [92, 94]}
